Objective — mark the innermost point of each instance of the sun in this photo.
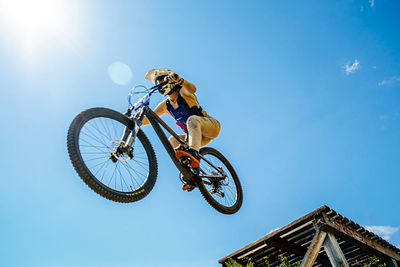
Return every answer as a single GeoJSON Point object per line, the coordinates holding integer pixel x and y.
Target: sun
{"type": "Point", "coordinates": [32, 22]}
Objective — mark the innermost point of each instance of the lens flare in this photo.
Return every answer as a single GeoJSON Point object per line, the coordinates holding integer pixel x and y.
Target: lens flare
{"type": "Point", "coordinates": [120, 73]}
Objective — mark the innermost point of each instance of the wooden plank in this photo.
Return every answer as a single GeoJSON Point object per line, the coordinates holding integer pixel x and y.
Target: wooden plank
{"type": "Point", "coordinates": [357, 238]}
{"type": "Point", "coordinates": [288, 247]}
{"type": "Point", "coordinates": [294, 237]}
{"type": "Point", "coordinates": [334, 252]}
{"type": "Point", "coordinates": [314, 249]}
{"type": "Point", "coordinates": [294, 249]}
{"type": "Point", "coordinates": [357, 257]}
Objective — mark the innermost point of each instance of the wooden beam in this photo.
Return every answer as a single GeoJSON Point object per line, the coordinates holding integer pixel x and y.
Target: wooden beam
{"type": "Point", "coordinates": [335, 254]}
{"type": "Point", "coordinates": [392, 263]}
{"type": "Point", "coordinates": [289, 247]}
{"type": "Point", "coordinates": [295, 249]}
{"type": "Point", "coordinates": [313, 249]}
{"type": "Point", "coordinates": [357, 238]}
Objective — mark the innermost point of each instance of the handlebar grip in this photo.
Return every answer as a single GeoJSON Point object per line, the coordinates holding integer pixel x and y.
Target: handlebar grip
{"type": "Point", "coordinates": [160, 85]}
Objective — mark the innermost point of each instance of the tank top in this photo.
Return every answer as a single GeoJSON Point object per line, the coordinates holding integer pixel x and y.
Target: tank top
{"type": "Point", "coordinates": [184, 111]}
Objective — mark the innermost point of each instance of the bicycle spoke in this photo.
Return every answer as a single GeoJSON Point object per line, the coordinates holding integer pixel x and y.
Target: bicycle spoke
{"type": "Point", "coordinates": [96, 158]}
{"type": "Point", "coordinates": [95, 147]}
{"type": "Point", "coordinates": [103, 164]}
{"type": "Point", "coordinates": [93, 137]}
{"type": "Point", "coordinates": [100, 132]}
{"type": "Point", "coordinates": [122, 177]}
{"type": "Point", "coordinates": [131, 176]}
{"type": "Point", "coordinates": [140, 164]}
{"type": "Point", "coordinates": [106, 129]}
{"type": "Point", "coordinates": [136, 171]}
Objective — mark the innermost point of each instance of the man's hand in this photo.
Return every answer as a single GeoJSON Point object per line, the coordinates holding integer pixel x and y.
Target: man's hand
{"type": "Point", "coordinates": [167, 88]}
{"type": "Point", "coordinates": [175, 78]}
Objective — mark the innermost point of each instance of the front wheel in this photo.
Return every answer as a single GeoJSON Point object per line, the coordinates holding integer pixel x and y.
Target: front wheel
{"type": "Point", "coordinates": [101, 157]}
{"type": "Point", "coordinates": [218, 182]}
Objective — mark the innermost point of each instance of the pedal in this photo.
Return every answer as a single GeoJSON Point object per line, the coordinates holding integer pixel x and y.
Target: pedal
{"type": "Point", "coordinates": [187, 187]}
{"type": "Point", "coordinates": [190, 189]}
{"type": "Point", "coordinates": [185, 161]}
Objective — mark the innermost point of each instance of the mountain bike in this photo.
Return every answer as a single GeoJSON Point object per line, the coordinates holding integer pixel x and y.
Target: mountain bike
{"type": "Point", "coordinates": [114, 157]}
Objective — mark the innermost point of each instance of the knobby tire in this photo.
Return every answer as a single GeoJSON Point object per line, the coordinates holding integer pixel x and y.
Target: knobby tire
{"type": "Point", "coordinates": [207, 195]}
{"type": "Point", "coordinates": [87, 176]}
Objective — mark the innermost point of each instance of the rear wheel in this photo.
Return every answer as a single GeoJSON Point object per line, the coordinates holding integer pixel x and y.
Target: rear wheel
{"type": "Point", "coordinates": [219, 183]}
{"type": "Point", "coordinates": [104, 162]}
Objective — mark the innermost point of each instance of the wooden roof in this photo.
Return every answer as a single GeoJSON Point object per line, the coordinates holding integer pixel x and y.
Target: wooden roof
{"type": "Point", "coordinates": [293, 240]}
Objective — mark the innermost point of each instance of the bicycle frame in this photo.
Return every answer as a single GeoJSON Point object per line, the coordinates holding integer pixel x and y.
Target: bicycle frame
{"type": "Point", "coordinates": [143, 107]}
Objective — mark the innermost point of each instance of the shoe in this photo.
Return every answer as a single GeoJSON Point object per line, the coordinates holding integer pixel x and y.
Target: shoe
{"type": "Point", "coordinates": [191, 154]}
{"type": "Point", "coordinates": [188, 185]}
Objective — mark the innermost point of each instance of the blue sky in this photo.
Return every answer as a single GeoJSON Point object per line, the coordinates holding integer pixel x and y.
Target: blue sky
{"type": "Point", "coordinates": [307, 94]}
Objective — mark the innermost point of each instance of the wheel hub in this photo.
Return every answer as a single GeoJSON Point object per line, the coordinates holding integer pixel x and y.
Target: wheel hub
{"type": "Point", "coordinates": [120, 151]}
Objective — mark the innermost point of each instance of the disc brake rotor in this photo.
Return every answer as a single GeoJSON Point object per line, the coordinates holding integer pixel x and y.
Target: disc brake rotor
{"type": "Point", "coordinates": [119, 150]}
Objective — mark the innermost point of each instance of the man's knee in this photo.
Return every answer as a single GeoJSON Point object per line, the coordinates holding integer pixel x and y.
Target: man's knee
{"type": "Point", "coordinates": [193, 122]}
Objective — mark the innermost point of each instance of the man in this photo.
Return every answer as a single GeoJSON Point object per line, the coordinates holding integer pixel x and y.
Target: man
{"type": "Point", "coordinates": [181, 103]}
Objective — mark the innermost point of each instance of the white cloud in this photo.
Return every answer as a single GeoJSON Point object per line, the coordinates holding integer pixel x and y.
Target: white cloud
{"type": "Point", "coordinates": [372, 3]}
{"type": "Point", "coordinates": [389, 80]}
{"type": "Point", "coordinates": [351, 69]}
{"type": "Point", "coordinates": [383, 231]}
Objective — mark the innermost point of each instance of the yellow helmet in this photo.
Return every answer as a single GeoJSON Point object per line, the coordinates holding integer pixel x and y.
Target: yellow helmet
{"type": "Point", "coordinates": [155, 75]}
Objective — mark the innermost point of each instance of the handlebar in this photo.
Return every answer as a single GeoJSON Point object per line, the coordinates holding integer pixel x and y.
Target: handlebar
{"type": "Point", "coordinates": [145, 99]}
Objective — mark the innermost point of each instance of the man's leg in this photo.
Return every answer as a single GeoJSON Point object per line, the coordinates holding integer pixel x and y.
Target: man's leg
{"type": "Point", "coordinates": [202, 130]}
{"type": "Point", "coordinates": [175, 143]}
{"type": "Point", "coordinates": [205, 140]}
{"type": "Point", "coordinates": [199, 128]}
{"type": "Point", "coordinates": [187, 186]}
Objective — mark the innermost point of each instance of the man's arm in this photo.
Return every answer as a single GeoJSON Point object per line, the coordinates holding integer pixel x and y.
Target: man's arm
{"type": "Point", "coordinates": [159, 110]}
{"type": "Point", "coordinates": [188, 87]}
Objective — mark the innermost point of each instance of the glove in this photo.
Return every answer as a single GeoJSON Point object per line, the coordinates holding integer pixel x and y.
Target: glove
{"type": "Point", "coordinates": [175, 78]}
{"type": "Point", "coordinates": [169, 88]}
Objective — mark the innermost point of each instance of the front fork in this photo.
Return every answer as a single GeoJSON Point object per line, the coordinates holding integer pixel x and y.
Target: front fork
{"type": "Point", "coordinates": [129, 136]}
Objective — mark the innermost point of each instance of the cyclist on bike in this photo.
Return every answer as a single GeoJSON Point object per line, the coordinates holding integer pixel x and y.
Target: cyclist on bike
{"type": "Point", "coordinates": [182, 105]}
